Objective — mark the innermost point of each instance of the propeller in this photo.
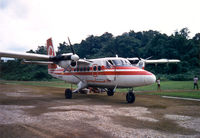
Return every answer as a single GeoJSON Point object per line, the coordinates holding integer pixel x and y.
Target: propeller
{"type": "Point", "coordinates": [71, 46]}
{"type": "Point", "coordinates": [64, 60]}
{"type": "Point", "coordinates": [74, 57]}
{"type": "Point", "coordinates": [149, 58]}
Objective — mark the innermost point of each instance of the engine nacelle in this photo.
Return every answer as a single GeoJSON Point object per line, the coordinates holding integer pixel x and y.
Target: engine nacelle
{"type": "Point", "coordinates": [67, 63]}
{"type": "Point", "coordinates": [73, 64]}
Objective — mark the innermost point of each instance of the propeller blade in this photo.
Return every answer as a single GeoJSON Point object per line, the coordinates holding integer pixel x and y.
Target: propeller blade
{"type": "Point", "coordinates": [149, 57]}
{"type": "Point", "coordinates": [71, 46]}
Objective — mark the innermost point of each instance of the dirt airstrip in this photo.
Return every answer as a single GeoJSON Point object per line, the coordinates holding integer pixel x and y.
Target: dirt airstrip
{"type": "Point", "coordinates": [33, 111]}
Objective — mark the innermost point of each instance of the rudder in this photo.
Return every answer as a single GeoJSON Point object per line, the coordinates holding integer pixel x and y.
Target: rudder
{"type": "Point", "coordinates": [51, 52]}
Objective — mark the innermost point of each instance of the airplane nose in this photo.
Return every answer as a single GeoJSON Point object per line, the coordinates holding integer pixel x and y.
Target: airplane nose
{"type": "Point", "coordinates": [153, 78]}
{"type": "Point", "coordinates": [150, 79]}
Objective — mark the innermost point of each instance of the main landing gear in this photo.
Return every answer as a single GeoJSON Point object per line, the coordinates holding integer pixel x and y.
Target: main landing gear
{"type": "Point", "coordinates": [110, 92]}
{"type": "Point", "coordinates": [130, 97]}
{"type": "Point", "coordinates": [68, 93]}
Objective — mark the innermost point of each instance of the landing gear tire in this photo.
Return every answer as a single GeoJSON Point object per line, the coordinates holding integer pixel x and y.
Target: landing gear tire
{"type": "Point", "coordinates": [130, 97]}
{"type": "Point", "coordinates": [110, 92]}
{"type": "Point", "coordinates": [68, 94]}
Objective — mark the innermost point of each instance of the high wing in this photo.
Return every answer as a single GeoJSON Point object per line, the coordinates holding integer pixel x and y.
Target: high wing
{"type": "Point", "coordinates": [31, 58]}
{"type": "Point", "coordinates": [65, 60]}
{"type": "Point", "coordinates": [139, 62]}
{"type": "Point", "coordinates": [135, 60]}
{"type": "Point", "coordinates": [80, 62]}
{"type": "Point", "coordinates": [162, 61]}
{"type": "Point", "coordinates": [36, 62]}
{"type": "Point", "coordinates": [28, 56]}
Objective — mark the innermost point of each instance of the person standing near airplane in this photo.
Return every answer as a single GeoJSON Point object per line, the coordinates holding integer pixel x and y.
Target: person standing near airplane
{"type": "Point", "coordinates": [196, 82]}
{"type": "Point", "coordinates": [158, 84]}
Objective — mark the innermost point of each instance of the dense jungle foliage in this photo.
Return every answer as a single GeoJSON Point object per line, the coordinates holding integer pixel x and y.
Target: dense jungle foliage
{"type": "Point", "coordinates": [130, 44]}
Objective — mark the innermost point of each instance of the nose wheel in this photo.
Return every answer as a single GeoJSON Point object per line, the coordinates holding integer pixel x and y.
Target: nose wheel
{"type": "Point", "coordinates": [130, 97]}
{"type": "Point", "coordinates": [68, 93]}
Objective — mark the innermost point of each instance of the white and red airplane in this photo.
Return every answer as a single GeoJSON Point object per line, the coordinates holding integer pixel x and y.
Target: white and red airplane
{"type": "Point", "coordinates": [108, 73]}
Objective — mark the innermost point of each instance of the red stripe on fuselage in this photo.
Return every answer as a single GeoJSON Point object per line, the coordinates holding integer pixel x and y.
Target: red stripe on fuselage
{"type": "Point", "coordinates": [105, 73]}
{"type": "Point", "coordinates": [103, 68]}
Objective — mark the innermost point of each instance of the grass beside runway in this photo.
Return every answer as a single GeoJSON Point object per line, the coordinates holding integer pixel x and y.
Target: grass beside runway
{"type": "Point", "coordinates": [165, 85]}
{"type": "Point", "coordinates": [169, 85]}
{"type": "Point", "coordinates": [182, 94]}
{"type": "Point", "coordinates": [169, 88]}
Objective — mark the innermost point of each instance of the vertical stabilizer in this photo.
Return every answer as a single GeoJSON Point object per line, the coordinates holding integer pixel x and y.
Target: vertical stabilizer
{"type": "Point", "coordinates": [50, 49]}
{"type": "Point", "coordinates": [51, 52]}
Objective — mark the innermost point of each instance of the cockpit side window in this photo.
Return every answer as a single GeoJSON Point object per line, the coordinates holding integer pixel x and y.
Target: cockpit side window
{"type": "Point", "coordinates": [117, 62]}
{"type": "Point", "coordinates": [108, 64]}
{"type": "Point", "coordinates": [110, 61]}
{"type": "Point", "coordinates": [134, 61]}
{"type": "Point", "coordinates": [120, 62]}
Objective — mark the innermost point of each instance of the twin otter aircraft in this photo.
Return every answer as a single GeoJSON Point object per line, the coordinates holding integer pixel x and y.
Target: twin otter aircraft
{"type": "Point", "coordinates": [108, 73]}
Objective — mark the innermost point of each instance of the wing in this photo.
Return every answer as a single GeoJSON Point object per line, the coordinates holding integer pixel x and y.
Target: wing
{"type": "Point", "coordinates": [28, 56]}
{"type": "Point", "coordinates": [36, 62]}
{"type": "Point", "coordinates": [160, 61]}
{"type": "Point", "coordinates": [82, 62]}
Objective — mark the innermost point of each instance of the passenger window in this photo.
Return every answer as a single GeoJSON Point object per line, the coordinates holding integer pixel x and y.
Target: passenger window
{"type": "Point", "coordinates": [81, 69]}
{"type": "Point", "coordinates": [84, 69]}
{"type": "Point", "coordinates": [88, 68]}
{"type": "Point", "coordinates": [94, 68]}
{"type": "Point", "coordinates": [99, 68]}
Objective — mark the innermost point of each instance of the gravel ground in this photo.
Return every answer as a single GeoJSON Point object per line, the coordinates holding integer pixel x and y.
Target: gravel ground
{"type": "Point", "coordinates": [30, 111]}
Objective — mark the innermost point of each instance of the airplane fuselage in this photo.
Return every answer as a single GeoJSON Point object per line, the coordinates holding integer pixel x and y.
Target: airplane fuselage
{"type": "Point", "coordinates": [107, 73]}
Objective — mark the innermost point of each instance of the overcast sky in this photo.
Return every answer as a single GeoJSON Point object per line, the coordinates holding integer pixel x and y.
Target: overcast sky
{"type": "Point", "coordinates": [25, 24]}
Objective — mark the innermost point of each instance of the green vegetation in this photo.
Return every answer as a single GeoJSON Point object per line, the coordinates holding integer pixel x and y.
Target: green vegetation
{"type": "Point", "coordinates": [130, 44]}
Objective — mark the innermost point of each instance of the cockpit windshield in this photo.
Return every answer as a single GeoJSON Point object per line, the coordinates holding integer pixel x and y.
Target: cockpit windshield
{"type": "Point", "coordinates": [119, 62]}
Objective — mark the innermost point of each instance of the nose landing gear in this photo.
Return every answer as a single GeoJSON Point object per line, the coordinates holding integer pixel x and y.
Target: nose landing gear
{"type": "Point", "coordinates": [130, 97]}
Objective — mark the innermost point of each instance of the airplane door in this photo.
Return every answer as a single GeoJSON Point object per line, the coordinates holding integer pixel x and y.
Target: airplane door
{"type": "Point", "coordinates": [115, 76]}
{"type": "Point", "coordinates": [112, 67]}
{"type": "Point", "coordinates": [94, 70]}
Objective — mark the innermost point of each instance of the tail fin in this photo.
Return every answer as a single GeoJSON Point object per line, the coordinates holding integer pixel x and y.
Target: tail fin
{"type": "Point", "coordinates": [50, 49]}
{"type": "Point", "coordinates": [51, 52]}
